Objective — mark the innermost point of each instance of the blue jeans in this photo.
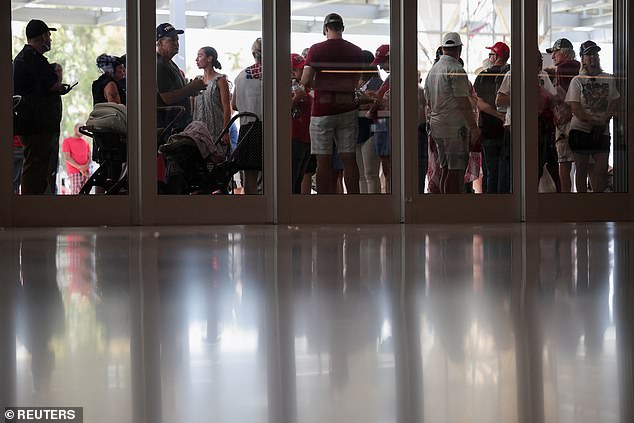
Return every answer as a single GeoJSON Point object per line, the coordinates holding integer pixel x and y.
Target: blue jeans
{"type": "Point", "coordinates": [496, 154]}
{"type": "Point", "coordinates": [504, 176]}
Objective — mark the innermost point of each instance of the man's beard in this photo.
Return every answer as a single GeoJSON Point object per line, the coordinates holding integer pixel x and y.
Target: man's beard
{"type": "Point", "coordinates": [46, 47]}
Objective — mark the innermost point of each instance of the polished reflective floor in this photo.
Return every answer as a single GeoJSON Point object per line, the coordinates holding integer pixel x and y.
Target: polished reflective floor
{"type": "Point", "coordinates": [438, 324]}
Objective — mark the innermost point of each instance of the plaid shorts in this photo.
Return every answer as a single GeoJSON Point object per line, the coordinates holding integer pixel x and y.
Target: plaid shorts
{"type": "Point", "coordinates": [76, 181]}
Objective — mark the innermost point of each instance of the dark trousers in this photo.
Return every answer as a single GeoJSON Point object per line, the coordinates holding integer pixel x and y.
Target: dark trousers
{"type": "Point", "coordinates": [504, 177]}
{"type": "Point", "coordinates": [53, 165]}
{"type": "Point", "coordinates": [37, 157]}
{"type": "Point", "coordinates": [301, 157]}
{"type": "Point", "coordinates": [491, 154]}
{"type": "Point", "coordinates": [496, 155]}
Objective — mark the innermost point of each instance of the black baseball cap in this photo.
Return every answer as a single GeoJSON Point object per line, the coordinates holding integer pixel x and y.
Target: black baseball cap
{"type": "Point", "coordinates": [588, 47]}
{"type": "Point", "coordinates": [167, 30]}
{"type": "Point", "coordinates": [559, 44]}
{"type": "Point", "coordinates": [36, 27]}
{"type": "Point", "coordinates": [332, 18]}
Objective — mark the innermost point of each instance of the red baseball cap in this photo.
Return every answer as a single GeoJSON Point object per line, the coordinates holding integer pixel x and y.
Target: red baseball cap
{"type": "Point", "coordinates": [297, 61]}
{"type": "Point", "coordinates": [382, 55]}
{"type": "Point", "coordinates": [501, 49]}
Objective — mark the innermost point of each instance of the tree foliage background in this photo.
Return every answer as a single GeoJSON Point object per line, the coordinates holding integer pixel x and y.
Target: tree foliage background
{"type": "Point", "coordinates": [76, 48]}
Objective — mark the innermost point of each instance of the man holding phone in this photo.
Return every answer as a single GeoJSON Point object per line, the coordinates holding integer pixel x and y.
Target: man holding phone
{"type": "Point", "coordinates": [39, 114]}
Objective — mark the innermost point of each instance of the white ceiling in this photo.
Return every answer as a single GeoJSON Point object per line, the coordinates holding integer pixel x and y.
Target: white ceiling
{"type": "Point", "coordinates": [362, 16]}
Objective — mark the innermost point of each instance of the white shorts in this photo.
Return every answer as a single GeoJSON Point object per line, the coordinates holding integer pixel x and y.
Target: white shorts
{"type": "Point", "coordinates": [453, 153]}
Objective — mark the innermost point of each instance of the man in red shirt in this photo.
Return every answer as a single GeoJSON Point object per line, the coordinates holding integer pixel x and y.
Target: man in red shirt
{"type": "Point", "coordinates": [332, 70]}
{"type": "Point", "coordinates": [76, 152]}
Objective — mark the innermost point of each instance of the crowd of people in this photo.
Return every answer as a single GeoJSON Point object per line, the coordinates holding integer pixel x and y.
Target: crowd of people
{"type": "Point", "coordinates": [576, 102]}
{"type": "Point", "coordinates": [340, 115]}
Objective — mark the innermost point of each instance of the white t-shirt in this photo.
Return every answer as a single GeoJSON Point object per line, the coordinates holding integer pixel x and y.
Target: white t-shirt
{"type": "Point", "coordinates": [445, 82]}
{"type": "Point", "coordinates": [595, 93]}
{"type": "Point", "coordinates": [248, 89]}
{"type": "Point", "coordinates": [505, 88]}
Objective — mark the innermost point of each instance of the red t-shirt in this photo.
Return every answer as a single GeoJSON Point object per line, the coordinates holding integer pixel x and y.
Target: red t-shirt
{"type": "Point", "coordinates": [337, 64]}
{"type": "Point", "coordinates": [17, 142]}
{"type": "Point", "coordinates": [301, 124]}
{"type": "Point", "coordinates": [79, 150]}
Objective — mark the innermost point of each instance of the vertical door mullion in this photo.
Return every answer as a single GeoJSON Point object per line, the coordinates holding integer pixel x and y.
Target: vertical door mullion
{"type": "Point", "coordinates": [280, 120]}
{"type": "Point", "coordinates": [398, 132]}
{"type": "Point", "coordinates": [6, 123]}
{"type": "Point", "coordinates": [524, 124]}
{"type": "Point", "coordinates": [409, 107]}
{"type": "Point", "coordinates": [145, 180]}
{"type": "Point", "coordinates": [268, 109]}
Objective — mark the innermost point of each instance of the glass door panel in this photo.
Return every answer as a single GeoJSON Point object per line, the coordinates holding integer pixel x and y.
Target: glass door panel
{"type": "Point", "coordinates": [209, 98]}
{"type": "Point", "coordinates": [582, 108]}
{"type": "Point", "coordinates": [212, 62]}
{"type": "Point", "coordinates": [66, 60]}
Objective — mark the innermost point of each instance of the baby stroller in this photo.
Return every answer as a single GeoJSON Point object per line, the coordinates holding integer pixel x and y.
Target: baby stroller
{"type": "Point", "coordinates": [203, 175]}
{"type": "Point", "coordinates": [107, 126]}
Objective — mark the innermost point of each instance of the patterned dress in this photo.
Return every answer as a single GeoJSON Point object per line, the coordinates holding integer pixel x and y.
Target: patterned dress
{"type": "Point", "coordinates": [208, 108]}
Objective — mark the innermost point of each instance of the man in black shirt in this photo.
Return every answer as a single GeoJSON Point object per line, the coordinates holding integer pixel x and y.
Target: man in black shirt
{"type": "Point", "coordinates": [40, 112]}
{"type": "Point", "coordinates": [491, 122]}
{"type": "Point", "coordinates": [173, 89]}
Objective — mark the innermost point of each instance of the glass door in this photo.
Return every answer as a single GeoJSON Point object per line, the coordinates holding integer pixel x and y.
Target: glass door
{"type": "Point", "coordinates": [462, 155]}
{"type": "Point", "coordinates": [579, 168]}
{"type": "Point", "coordinates": [68, 155]}
{"type": "Point", "coordinates": [205, 70]}
{"type": "Point", "coordinates": [338, 152]}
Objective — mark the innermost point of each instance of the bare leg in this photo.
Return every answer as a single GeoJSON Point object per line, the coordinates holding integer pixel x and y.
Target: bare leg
{"type": "Point", "coordinates": [591, 174]}
{"type": "Point", "coordinates": [564, 176]}
{"type": "Point", "coordinates": [600, 174]}
{"type": "Point", "coordinates": [337, 181]}
{"type": "Point", "coordinates": [363, 181]}
{"type": "Point", "coordinates": [387, 173]}
{"type": "Point", "coordinates": [307, 182]}
{"type": "Point", "coordinates": [554, 173]}
{"type": "Point", "coordinates": [350, 172]}
{"type": "Point", "coordinates": [451, 180]}
{"type": "Point", "coordinates": [455, 181]}
{"type": "Point", "coordinates": [324, 173]}
{"type": "Point", "coordinates": [581, 174]}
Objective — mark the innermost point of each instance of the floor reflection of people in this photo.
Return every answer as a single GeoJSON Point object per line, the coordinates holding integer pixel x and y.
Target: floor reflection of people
{"type": "Point", "coordinates": [448, 290]}
{"type": "Point", "coordinates": [113, 286]}
{"type": "Point", "coordinates": [593, 290]}
{"type": "Point", "coordinates": [174, 287]}
{"type": "Point", "coordinates": [574, 317]}
{"type": "Point", "coordinates": [497, 287]}
{"type": "Point", "coordinates": [40, 311]}
{"type": "Point", "coordinates": [575, 299]}
{"type": "Point", "coordinates": [345, 311]}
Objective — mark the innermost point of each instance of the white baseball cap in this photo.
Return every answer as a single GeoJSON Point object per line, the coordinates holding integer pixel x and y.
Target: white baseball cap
{"type": "Point", "coordinates": [451, 39]}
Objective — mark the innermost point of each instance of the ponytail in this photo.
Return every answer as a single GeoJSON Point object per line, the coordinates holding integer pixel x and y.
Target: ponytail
{"type": "Point", "coordinates": [211, 52]}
